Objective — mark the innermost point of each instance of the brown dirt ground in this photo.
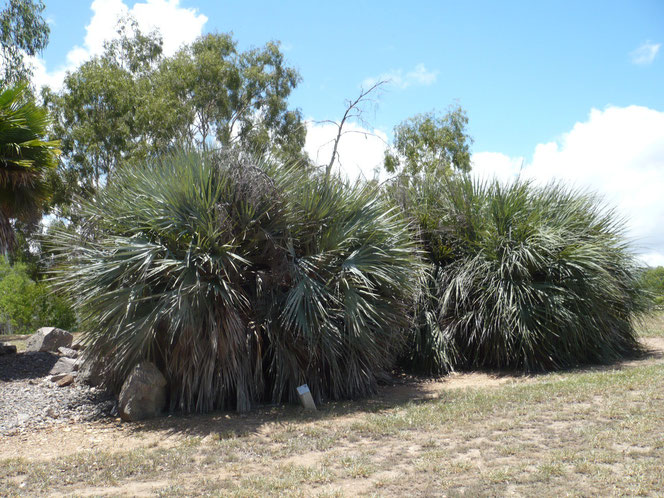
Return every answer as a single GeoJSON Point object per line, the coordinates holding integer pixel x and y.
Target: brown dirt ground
{"type": "Point", "coordinates": [397, 457]}
{"type": "Point", "coordinates": [167, 432]}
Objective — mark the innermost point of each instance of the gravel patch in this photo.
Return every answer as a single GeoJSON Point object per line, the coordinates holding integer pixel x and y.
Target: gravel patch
{"type": "Point", "coordinates": [29, 400]}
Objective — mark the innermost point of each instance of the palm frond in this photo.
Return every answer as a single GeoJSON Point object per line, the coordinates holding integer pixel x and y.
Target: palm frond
{"type": "Point", "coordinates": [523, 277]}
{"type": "Point", "coordinates": [240, 280]}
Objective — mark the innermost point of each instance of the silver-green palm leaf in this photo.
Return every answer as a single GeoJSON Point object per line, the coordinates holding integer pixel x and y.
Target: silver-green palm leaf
{"type": "Point", "coordinates": [522, 277]}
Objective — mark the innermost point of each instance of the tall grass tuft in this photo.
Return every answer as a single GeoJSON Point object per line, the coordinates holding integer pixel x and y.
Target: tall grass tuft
{"type": "Point", "coordinates": [521, 277]}
{"type": "Point", "coordinates": [240, 280]}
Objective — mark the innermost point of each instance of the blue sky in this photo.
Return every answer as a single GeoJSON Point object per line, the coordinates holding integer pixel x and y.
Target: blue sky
{"type": "Point", "coordinates": [556, 89]}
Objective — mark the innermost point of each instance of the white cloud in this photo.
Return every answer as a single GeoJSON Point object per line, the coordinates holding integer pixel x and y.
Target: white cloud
{"type": "Point", "coordinates": [645, 54]}
{"type": "Point", "coordinates": [177, 25]}
{"type": "Point", "coordinates": [418, 76]}
{"type": "Point", "coordinates": [495, 164]}
{"type": "Point", "coordinates": [618, 153]}
{"type": "Point", "coordinates": [361, 151]}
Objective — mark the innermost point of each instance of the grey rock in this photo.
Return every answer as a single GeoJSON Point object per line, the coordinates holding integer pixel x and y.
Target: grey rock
{"type": "Point", "coordinates": [91, 371]}
{"type": "Point", "coordinates": [7, 349]}
{"type": "Point", "coordinates": [64, 366]}
{"type": "Point", "coordinates": [68, 352]}
{"type": "Point", "coordinates": [49, 339]}
{"type": "Point", "coordinates": [143, 393]}
{"type": "Point", "coordinates": [26, 395]}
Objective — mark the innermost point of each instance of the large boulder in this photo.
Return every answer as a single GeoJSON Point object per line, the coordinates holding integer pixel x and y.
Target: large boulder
{"type": "Point", "coordinates": [143, 393]}
{"type": "Point", "coordinates": [49, 339]}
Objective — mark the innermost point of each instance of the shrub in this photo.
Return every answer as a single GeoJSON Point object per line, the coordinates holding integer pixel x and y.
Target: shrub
{"type": "Point", "coordinates": [26, 305]}
{"type": "Point", "coordinates": [521, 277]}
{"type": "Point", "coordinates": [240, 281]}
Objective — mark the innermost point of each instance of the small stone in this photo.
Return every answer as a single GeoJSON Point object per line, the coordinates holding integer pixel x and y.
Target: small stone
{"type": "Point", "coordinates": [64, 366]}
{"type": "Point", "coordinates": [68, 352]}
{"type": "Point", "coordinates": [65, 381]}
{"type": "Point", "coordinates": [78, 345]}
{"type": "Point", "coordinates": [52, 413]}
{"type": "Point", "coordinates": [57, 377]}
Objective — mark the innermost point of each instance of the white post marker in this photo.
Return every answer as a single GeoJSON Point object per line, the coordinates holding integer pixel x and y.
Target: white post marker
{"type": "Point", "coordinates": [305, 397]}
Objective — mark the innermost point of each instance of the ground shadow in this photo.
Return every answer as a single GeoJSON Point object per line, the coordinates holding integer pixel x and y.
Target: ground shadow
{"type": "Point", "coordinates": [23, 366]}
{"type": "Point", "coordinates": [402, 389]}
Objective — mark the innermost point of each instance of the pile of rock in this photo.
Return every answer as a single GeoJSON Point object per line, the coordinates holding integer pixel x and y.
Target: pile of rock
{"type": "Point", "coordinates": [29, 394]}
{"type": "Point", "coordinates": [72, 366]}
{"type": "Point", "coordinates": [52, 356]}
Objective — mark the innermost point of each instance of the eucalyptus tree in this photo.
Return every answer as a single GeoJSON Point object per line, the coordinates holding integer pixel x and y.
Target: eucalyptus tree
{"type": "Point", "coordinates": [430, 144]}
{"type": "Point", "coordinates": [133, 103]}
{"type": "Point", "coordinates": [231, 97]}
{"type": "Point", "coordinates": [23, 31]}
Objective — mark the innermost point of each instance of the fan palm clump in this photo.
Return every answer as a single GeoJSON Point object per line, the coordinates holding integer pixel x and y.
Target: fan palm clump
{"type": "Point", "coordinates": [241, 281]}
{"type": "Point", "coordinates": [25, 160]}
{"type": "Point", "coordinates": [522, 277]}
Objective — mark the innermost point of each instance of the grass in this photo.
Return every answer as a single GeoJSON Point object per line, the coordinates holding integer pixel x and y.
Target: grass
{"type": "Point", "coordinates": [653, 325]}
{"type": "Point", "coordinates": [588, 432]}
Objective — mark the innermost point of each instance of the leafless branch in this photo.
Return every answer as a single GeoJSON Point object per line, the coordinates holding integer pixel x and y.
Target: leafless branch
{"type": "Point", "coordinates": [354, 110]}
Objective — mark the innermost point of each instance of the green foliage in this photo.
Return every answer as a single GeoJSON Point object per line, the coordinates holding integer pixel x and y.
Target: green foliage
{"type": "Point", "coordinates": [236, 97]}
{"type": "Point", "coordinates": [652, 280]}
{"type": "Point", "coordinates": [109, 111]}
{"type": "Point", "coordinates": [240, 281]}
{"type": "Point", "coordinates": [131, 104]}
{"type": "Point", "coordinates": [430, 144]}
{"type": "Point", "coordinates": [23, 30]}
{"type": "Point", "coordinates": [523, 277]}
{"type": "Point", "coordinates": [25, 161]}
{"type": "Point", "coordinates": [26, 305]}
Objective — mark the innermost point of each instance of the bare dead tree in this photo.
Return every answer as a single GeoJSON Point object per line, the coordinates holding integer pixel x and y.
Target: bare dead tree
{"type": "Point", "coordinates": [354, 111]}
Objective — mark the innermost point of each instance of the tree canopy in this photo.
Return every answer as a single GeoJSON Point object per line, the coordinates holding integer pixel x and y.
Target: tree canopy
{"type": "Point", "coordinates": [132, 103]}
{"type": "Point", "coordinates": [430, 143]}
{"type": "Point", "coordinates": [23, 31]}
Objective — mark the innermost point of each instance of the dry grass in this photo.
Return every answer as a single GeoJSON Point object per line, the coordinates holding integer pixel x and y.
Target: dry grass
{"type": "Point", "coordinates": [653, 325]}
{"type": "Point", "coordinates": [591, 432]}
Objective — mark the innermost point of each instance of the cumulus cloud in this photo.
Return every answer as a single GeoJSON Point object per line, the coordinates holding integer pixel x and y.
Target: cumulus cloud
{"type": "Point", "coordinates": [645, 54]}
{"type": "Point", "coordinates": [619, 153]}
{"type": "Point", "coordinates": [361, 150]}
{"type": "Point", "coordinates": [487, 165]}
{"type": "Point", "coordinates": [177, 25]}
{"type": "Point", "coordinates": [418, 76]}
